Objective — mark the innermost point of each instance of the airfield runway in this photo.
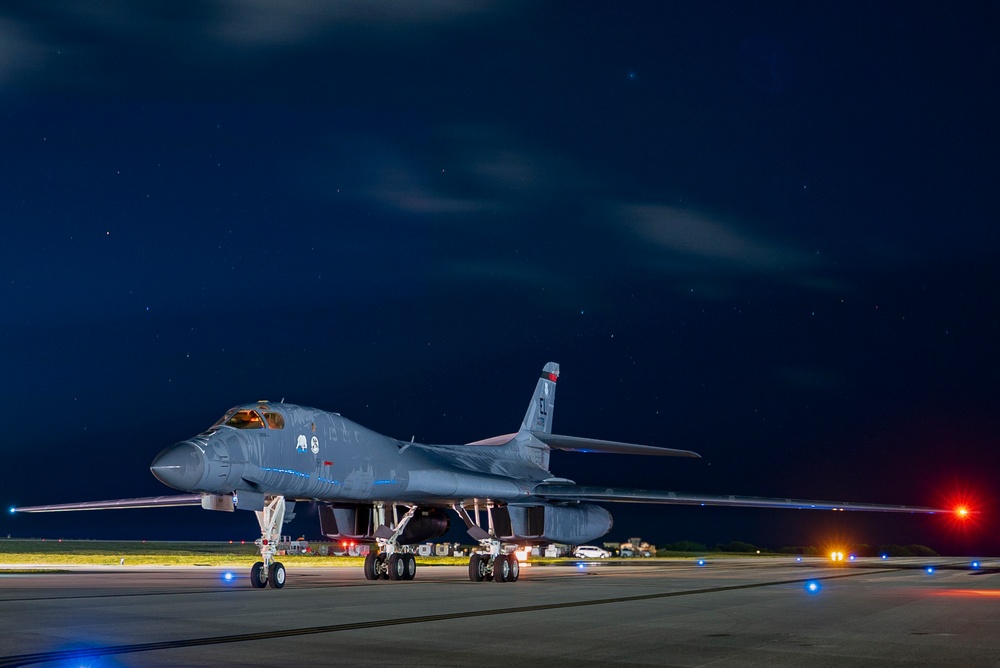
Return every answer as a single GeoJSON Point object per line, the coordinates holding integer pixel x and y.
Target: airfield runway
{"type": "Point", "coordinates": [726, 613]}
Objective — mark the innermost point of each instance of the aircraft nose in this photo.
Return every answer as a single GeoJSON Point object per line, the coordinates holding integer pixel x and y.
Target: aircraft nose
{"type": "Point", "coordinates": [181, 466]}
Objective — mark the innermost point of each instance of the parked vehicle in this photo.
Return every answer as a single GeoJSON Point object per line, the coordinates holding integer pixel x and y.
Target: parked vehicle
{"type": "Point", "coordinates": [591, 552]}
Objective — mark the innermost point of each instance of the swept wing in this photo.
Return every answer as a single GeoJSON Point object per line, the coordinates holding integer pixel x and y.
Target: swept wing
{"type": "Point", "coordinates": [563, 492]}
{"type": "Point", "coordinates": [143, 502]}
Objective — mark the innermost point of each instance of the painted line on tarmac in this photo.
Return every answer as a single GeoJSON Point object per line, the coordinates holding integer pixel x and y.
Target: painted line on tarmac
{"type": "Point", "coordinates": [111, 650]}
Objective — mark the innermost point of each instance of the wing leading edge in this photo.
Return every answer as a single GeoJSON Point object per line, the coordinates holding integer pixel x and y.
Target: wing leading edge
{"type": "Point", "coordinates": [560, 492]}
{"type": "Point", "coordinates": [144, 502]}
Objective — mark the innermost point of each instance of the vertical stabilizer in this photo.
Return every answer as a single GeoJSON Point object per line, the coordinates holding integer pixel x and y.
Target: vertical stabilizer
{"type": "Point", "coordinates": [539, 415]}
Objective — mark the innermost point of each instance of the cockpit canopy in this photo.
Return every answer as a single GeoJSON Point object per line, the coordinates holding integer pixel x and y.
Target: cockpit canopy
{"type": "Point", "coordinates": [251, 418]}
{"type": "Point", "coordinates": [246, 419]}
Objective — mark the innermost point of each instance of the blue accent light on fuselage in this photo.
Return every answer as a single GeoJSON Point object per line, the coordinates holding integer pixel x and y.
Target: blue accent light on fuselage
{"type": "Point", "coordinates": [299, 474]}
{"type": "Point", "coordinates": [384, 482]}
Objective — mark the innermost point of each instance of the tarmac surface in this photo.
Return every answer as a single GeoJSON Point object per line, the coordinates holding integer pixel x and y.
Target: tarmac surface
{"type": "Point", "coordinates": [758, 612]}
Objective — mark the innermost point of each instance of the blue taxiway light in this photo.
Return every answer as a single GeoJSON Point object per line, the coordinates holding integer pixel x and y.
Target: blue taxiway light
{"type": "Point", "coordinates": [798, 558]}
{"type": "Point", "coordinates": [701, 562]}
{"type": "Point", "coordinates": [813, 587]}
{"type": "Point", "coordinates": [885, 556]}
{"type": "Point", "coordinates": [228, 576]}
{"type": "Point", "coordinates": [975, 564]}
{"type": "Point", "coordinates": [930, 570]}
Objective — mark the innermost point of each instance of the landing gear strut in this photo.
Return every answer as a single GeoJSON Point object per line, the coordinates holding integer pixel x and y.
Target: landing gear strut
{"type": "Point", "coordinates": [390, 563]}
{"type": "Point", "coordinates": [490, 564]}
{"type": "Point", "coordinates": [269, 571]}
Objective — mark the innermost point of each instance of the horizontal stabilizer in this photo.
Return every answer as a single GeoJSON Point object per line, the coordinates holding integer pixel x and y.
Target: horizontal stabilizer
{"type": "Point", "coordinates": [555, 492]}
{"type": "Point", "coordinates": [577, 444]}
{"type": "Point", "coordinates": [144, 502]}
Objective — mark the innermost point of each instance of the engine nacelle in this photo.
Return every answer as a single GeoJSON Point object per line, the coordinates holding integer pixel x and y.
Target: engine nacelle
{"type": "Point", "coordinates": [355, 523]}
{"type": "Point", "coordinates": [571, 524]}
{"type": "Point", "coordinates": [427, 524]}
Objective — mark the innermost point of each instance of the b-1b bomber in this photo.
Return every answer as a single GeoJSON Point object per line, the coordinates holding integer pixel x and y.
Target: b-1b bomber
{"type": "Point", "coordinates": [265, 457]}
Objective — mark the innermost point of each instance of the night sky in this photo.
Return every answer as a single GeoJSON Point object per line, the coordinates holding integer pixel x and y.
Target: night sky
{"type": "Point", "coordinates": [766, 232]}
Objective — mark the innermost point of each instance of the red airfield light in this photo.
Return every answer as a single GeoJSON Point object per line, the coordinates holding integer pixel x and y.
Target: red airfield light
{"type": "Point", "coordinates": [965, 516]}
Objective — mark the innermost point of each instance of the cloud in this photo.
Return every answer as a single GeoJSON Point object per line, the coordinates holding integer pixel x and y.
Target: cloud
{"type": "Point", "coordinates": [473, 169]}
{"type": "Point", "coordinates": [369, 168]}
{"type": "Point", "coordinates": [686, 234]}
{"type": "Point", "coordinates": [487, 181]}
{"type": "Point", "coordinates": [501, 163]}
{"type": "Point", "coordinates": [201, 34]}
{"type": "Point", "coordinates": [399, 187]}
{"type": "Point", "coordinates": [256, 23]}
{"type": "Point", "coordinates": [21, 52]}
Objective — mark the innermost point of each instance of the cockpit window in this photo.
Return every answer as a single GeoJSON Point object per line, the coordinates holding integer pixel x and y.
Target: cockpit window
{"type": "Point", "coordinates": [218, 423]}
{"type": "Point", "coordinates": [222, 420]}
{"type": "Point", "coordinates": [246, 419]}
{"type": "Point", "coordinates": [275, 420]}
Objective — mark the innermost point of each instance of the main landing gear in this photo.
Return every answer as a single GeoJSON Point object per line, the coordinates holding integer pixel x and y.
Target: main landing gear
{"type": "Point", "coordinates": [489, 564]}
{"type": "Point", "coordinates": [269, 571]}
{"type": "Point", "coordinates": [397, 566]}
{"type": "Point", "coordinates": [390, 563]}
{"type": "Point", "coordinates": [498, 567]}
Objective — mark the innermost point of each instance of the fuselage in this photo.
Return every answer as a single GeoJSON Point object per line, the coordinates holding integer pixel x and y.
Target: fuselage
{"type": "Point", "coordinates": [305, 453]}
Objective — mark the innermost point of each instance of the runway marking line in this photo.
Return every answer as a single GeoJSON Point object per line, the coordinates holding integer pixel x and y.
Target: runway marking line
{"type": "Point", "coordinates": [110, 650]}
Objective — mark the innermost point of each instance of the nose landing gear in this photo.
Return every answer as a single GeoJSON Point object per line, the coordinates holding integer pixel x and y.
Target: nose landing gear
{"type": "Point", "coordinates": [269, 571]}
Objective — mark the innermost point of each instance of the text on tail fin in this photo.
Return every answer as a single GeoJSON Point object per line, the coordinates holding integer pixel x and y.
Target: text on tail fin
{"type": "Point", "coordinates": [539, 414]}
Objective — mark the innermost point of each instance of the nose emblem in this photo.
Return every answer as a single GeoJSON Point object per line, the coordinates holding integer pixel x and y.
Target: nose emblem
{"type": "Point", "coordinates": [180, 466]}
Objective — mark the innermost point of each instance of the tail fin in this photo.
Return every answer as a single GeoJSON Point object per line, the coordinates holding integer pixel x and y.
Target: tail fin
{"type": "Point", "coordinates": [539, 414]}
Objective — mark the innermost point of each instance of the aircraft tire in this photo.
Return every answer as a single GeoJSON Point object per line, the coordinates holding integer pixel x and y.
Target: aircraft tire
{"type": "Point", "coordinates": [258, 576]}
{"type": "Point", "coordinates": [475, 568]}
{"type": "Point", "coordinates": [515, 567]}
{"type": "Point", "coordinates": [501, 569]}
{"type": "Point", "coordinates": [411, 567]}
{"type": "Point", "coordinates": [371, 573]}
{"type": "Point", "coordinates": [397, 567]}
{"type": "Point", "coordinates": [276, 575]}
